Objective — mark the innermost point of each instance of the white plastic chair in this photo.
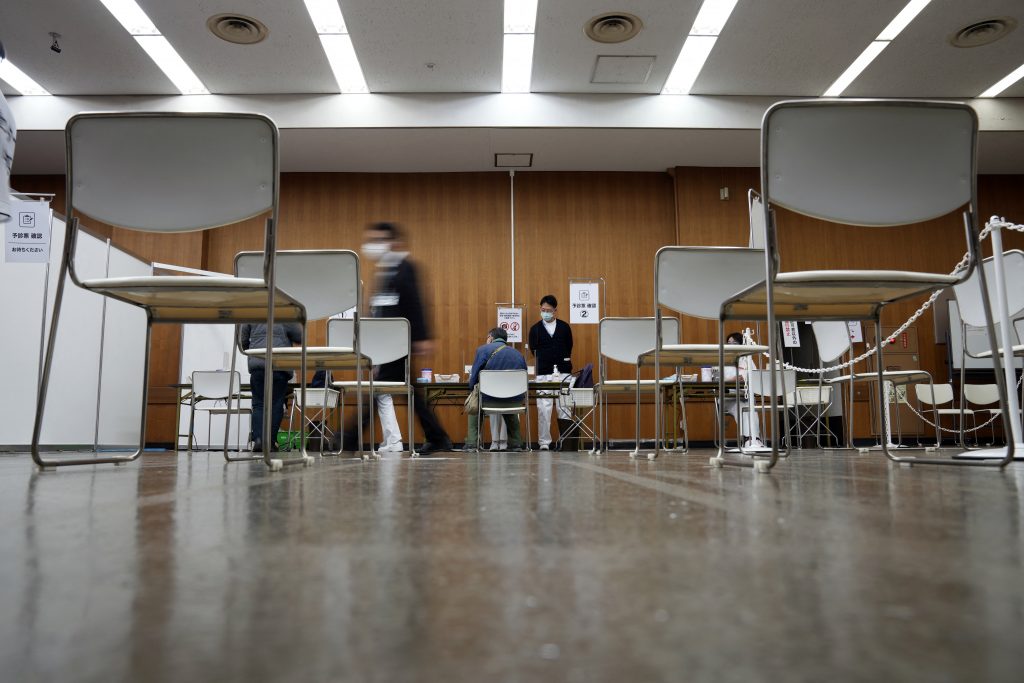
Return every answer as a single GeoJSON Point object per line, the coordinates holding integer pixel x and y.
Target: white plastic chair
{"type": "Point", "coordinates": [167, 173]}
{"type": "Point", "coordinates": [504, 385]}
{"type": "Point", "coordinates": [213, 388]}
{"type": "Point", "coordinates": [930, 397]}
{"type": "Point", "coordinates": [784, 385]}
{"type": "Point", "coordinates": [624, 340]}
{"type": "Point", "coordinates": [979, 399]}
{"type": "Point", "coordinates": [326, 282]}
{"type": "Point", "coordinates": [384, 340]}
{"type": "Point", "coordinates": [869, 163]}
{"type": "Point", "coordinates": [695, 281]}
{"type": "Point", "coordinates": [322, 402]}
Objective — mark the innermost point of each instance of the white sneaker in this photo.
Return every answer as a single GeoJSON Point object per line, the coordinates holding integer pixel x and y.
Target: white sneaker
{"type": "Point", "coordinates": [390, 448]}
{"type": "Point", "coordinates": [545, 447]}
{"type": "Point", "coordinates": [494, 446]}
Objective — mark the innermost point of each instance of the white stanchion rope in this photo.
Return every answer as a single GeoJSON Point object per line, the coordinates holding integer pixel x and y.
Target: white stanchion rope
{"type": "Point", "coordinates": [984, 424]}
{"type": "Point", "coordinates": [993, 223]}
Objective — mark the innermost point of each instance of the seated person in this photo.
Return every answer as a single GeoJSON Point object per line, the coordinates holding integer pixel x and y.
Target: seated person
{"type": "Point", "coordinates": [749, 426]}
{"type": "Point", "coordinates": [495, 354]}
{"type": "Point", "coordinates": [255, 337]}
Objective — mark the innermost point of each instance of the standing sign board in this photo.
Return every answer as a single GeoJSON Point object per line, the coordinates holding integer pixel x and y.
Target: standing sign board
{"type": "Point", "coordinates": [584, 303]}
{"type": "Point", "coordinates": [790, 334]}
{"type": "Point", "coordinates": [510, 319]}
{"type": "Point", "coordinates": [27, 234]}
{"type": "Point", "coordinates": [856, 331]}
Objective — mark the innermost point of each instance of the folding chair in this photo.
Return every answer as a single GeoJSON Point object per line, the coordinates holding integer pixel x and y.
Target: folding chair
{"type": "Point", "coordinates": [322, 402]}
{"type": "Point", "coordinates": [872, 163]}
{"type": "Point", "coordinates": [581, 404]}
{"type": "Point", "coordinates": [326, 283]}
{"type": "Point", "coordinates": [216, 388]}
{"type": "Point", "coordinates": [165, 173]}
{"type": "Point", "coordinates": [504, 385]}
{"type": "Point", "coordinates": [624, 340]}
{"type": "Point", "coordinates": [695, 281]}
{"type": "Point", "coordinates": [384, 340]}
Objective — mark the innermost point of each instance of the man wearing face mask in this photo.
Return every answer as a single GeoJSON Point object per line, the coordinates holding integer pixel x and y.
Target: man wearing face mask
{"type": "Point", "coordinates": [550, 342]}
{"type": "Point", "coordinates": [396, 295]}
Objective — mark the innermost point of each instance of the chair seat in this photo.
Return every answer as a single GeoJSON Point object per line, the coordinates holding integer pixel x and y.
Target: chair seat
{"type": "Point", "coordinates": [954, 411]}
{"type": "Point", "coordinates": [700, 354]}
{"type": "Point", "coordinates": [378, 387]}
{"type": "Point", "coordinates": [1017, 350]}
{"type": "Point", "coordinates": [896, 376]}
{"type": "Point", "coordinates": [225, 411]}
{"type": "Point", "coordinates": [502, 409]}
{"type": "Point", "coordinates": [629, 385]}
{"type": "Point", "coordinates": [838, 294]}
{"type": "Point", "coordinates": [317, 357]}
{"type": "Point", "coordinates": [197, 297]}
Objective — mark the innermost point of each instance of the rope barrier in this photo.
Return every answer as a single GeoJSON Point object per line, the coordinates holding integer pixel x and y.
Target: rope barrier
{"type": "Point", "coordinates": [958, 431]}
{"type": "Point", "coordinates": [993, 223]}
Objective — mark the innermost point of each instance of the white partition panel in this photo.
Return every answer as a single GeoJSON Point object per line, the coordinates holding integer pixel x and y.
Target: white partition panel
{"type": "Point", "coordinates": [21, 310]}
{"type": "Point", "coordinates": [124, 355]}
{"type": "Point", "coordinates": [71, 399]}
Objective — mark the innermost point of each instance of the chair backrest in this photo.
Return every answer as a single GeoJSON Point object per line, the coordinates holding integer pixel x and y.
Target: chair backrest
{"type": "Point", "coordinates": [968, 292]}
{"type": "Point", "coordinates": [943, 394]}
{"type": "Point", "coordinates": [215, 384]}
{"type": "Point", "coordinates": [341, 332]}
{"type": "Point", "coordinates": [697, 280]}
{"type": "Point", "coordinates": [975, 339]}
{"type": "Point", "coordinates": [325, 281]}
{"type": "Point", "coordinates": [624, 339]}
{"type": "Point", "coordinates": [869, 162]}
{"type": "Point", "coordinates": [384, 339]}
{"type": "Point", "coordinates": [755, 209]}
{"type": "Point", "coordinates": [832, 338]}
{"type": "Point", "coordinates": [981, 394]}
{"type": "Point", "coordinates": [503, 383]}
{"type": "Point", "coordinates": [759, 382]}
{"type": "Point", "coordinates": [171, 172]}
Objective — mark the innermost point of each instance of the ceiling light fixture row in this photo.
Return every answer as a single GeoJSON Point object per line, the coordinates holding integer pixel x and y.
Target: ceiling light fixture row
{"type": "Point", "coordinates": [517, 54]}
{"type": "Point", "coordinates": [145, 33]}
{"type": "Point", "coordinates": [337, 45]}
{"type": "Point", "coordinates": [888, 34]}
{"type": "Point", "coordinates": [708, 25]}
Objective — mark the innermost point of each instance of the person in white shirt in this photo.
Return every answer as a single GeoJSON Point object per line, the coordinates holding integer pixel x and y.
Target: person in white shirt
{"type": "Point", "coordinates": [749, 425]}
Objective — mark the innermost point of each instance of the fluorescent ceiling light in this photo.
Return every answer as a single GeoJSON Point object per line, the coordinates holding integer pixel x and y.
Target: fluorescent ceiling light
{"type": "Point", "coordinates": [131, 17]}
{"type": "Point", "coordinates": [895, 27]}
{"type": "Point", "coordinates": [17, 79]}
{"type": "Point", "coordinates": [344, 63]}
{"type": "Point", "coordinates": [688, 65]}
{"type": "Point", "coordinates": [999, 87]}
{"type": "Point", "coordinates": [173, 66]}
{"type": "Point", "coordinates": [859, 64]}
{"type": "Point", "coordinates": [326, 16]}
{"type": "Point", "coordinates": [712, 17]}
{"type": "Point", "coordinates": [902, 19]}
{"type": "Point", "coordinates": [708, 25]}
{"type": "Point", "coordinates": [517, 62]}
{"type": "Point", "coordinates": [521, 16]}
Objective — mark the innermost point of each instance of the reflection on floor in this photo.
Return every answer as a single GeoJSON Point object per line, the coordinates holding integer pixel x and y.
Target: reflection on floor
{"type": "Point", "coordinates": [511, 567]}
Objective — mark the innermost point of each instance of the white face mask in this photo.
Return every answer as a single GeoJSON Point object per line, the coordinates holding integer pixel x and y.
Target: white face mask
{"type": "Point", "coordinates": [547, 316]}
{"type": "Point", "coordinates": [375, 250]}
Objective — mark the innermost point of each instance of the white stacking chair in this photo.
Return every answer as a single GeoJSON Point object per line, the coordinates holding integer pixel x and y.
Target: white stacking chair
{"type": "Point", "coordinates": [979, 399]}
{"type": "Point", "coordinates": [326, 283]}
{"type": "Point", "coordinates": [932, 397]}
{"type": "Point", "coordinates": [505, 384]}
{"type": "Point", "coordinates": [870, 163]}
{"type": "Point", "coordinates": [624, 340]}
{"type": "Point", "coordinates": [783, 384]}
{"type": "Point", "coordinates": [695, 281]}
{"type": "Point", "coordinates": [384, 340]}
{"type": "Point", "coordinates": [213, 392]}
{"type": "Point", "coordinates": [167, 173]}
{"type": "Point", "coordinates": [972, 300]}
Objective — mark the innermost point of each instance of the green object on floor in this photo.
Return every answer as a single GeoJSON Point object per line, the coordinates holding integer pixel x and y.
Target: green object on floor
{"type": "Point", "coordinates": [289, 440]}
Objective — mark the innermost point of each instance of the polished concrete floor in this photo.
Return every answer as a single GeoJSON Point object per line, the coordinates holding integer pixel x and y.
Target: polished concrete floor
{"type": "Point", "coordinates": [515, 567]}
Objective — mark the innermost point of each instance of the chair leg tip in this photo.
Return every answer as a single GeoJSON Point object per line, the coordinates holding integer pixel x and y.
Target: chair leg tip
{"type": "Point", "coordinates": [716, 462]}
{"type": "Point", "coordinates": [276, 465]}
{"type": "Point", "coordinates": [762, 466]}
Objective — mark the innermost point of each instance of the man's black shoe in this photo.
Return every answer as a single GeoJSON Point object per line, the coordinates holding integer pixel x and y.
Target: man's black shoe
{"type": "Point", "coordinates": [428, 448]}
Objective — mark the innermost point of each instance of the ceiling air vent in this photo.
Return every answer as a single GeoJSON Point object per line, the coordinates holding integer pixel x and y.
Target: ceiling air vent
{"type": "Point", "coordinates": [613, 27]}
{"type": "Point", "coordinates": [237, 28]}
{"type": "Point", "coordinates": [983, 32]}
